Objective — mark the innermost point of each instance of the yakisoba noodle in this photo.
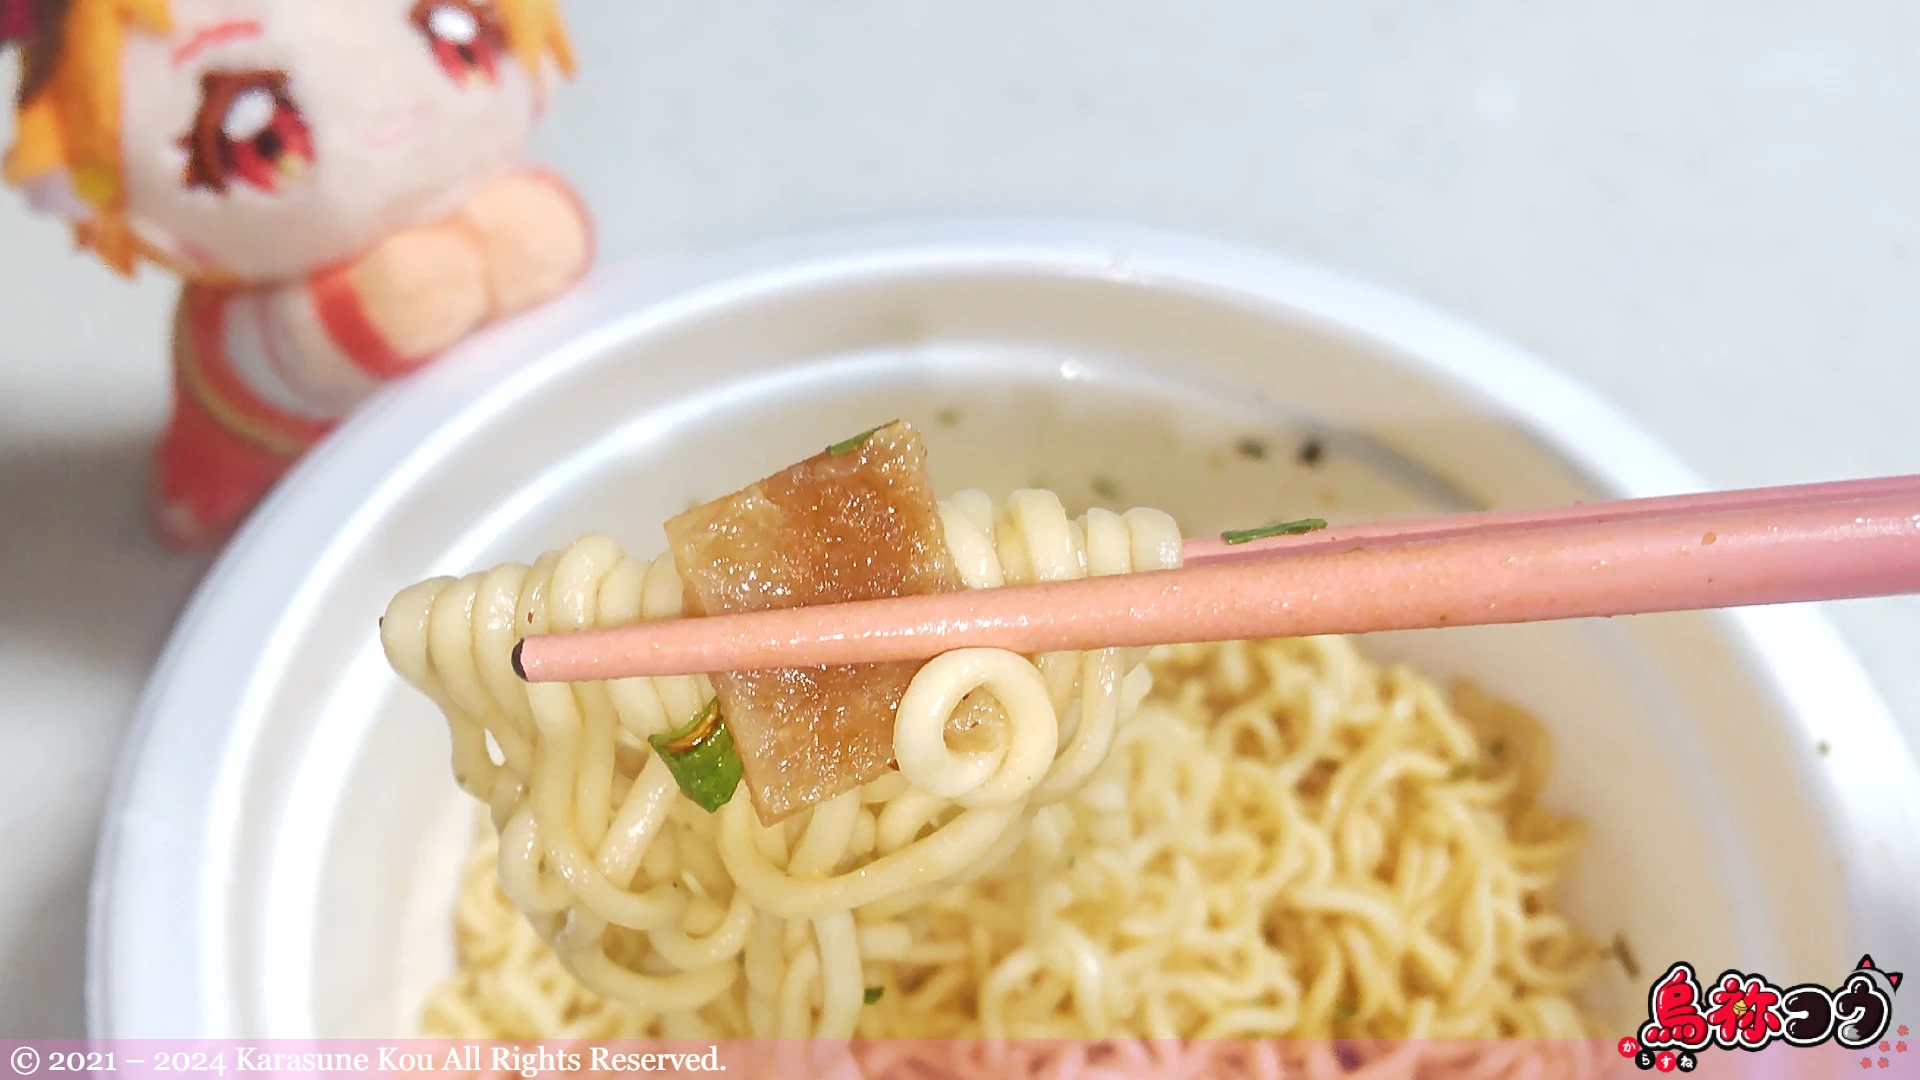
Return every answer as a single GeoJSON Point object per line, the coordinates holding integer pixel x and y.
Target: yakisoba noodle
{"type": "Point", "coordinates": [1282, 840]}
{"type": "Point", "coordinates": [734, 927]}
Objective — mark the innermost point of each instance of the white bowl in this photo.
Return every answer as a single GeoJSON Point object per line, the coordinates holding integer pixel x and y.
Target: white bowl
{"type": "Point", "coordinates": [280, 854]}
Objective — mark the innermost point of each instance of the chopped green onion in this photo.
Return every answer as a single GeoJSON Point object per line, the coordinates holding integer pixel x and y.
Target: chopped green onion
{"type": "Point", "coordinates": [1344, 1013]}
{"type": "Point", "coordinates": [848, 446]}
{"type": "Point", "coordinates": [873, 993]}
{"type": "Point", "coordinates": [1287, 528]}
{"type": "Point", "coordinates": [1462, 771]}
{"type": "Point", "coordinates": [702, 758]}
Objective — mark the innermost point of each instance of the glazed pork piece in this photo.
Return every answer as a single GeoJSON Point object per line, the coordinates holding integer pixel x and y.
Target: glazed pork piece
{"type": "Point", "coordinates": [856, 522]}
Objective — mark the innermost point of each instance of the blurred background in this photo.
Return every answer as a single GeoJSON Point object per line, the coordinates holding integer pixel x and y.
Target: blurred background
{"type": "Point", "coordinates": [1709, 212]}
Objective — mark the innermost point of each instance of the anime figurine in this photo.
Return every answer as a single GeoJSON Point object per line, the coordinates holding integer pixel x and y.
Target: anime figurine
{"type": "Point", "coordinates": [337, 184]}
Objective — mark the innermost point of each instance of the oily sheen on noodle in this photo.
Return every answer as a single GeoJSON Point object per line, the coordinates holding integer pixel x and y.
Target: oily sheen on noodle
{"type": "Point", "coordinates": [717, 920]}
{"type": "Point", "coordinates": [1248, 839]}
{"type": "Point", "coordinates": [1286, 840]}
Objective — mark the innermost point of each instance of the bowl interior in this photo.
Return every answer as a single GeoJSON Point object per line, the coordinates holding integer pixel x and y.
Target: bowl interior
{"type": "Point", "coordinates": [333, 817]}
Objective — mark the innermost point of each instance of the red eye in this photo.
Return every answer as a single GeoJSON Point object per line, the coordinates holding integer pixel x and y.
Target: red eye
{"type": "Point", "coordinates": [464, 35]}
{"type": "Point", "coordinates": [248, 129]}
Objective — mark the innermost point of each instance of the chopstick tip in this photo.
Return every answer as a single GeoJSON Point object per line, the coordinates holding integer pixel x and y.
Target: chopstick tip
{"type": "Point", "coordinates": [514, 658]}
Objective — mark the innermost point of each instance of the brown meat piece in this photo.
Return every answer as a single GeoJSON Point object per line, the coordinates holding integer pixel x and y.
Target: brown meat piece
{"type": "Point", "coordinates": [857, 522]}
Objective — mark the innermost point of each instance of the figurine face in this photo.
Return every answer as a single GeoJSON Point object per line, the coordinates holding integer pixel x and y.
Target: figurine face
{"type": "Point", "coordinates": [264, 139]}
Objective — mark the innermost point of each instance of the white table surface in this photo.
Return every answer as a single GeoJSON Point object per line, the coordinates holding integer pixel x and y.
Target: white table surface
{"type": "Point", "coordinates": [1708, 211]}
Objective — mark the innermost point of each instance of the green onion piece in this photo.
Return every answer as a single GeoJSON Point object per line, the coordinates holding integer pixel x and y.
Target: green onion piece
{"type": "Point", "coordinates": [874, 992]}
{"type": "Point", "coordinates": [1623, 955]}
{"type": "Point", "coordinates": [1287, 528]}
{"type": "Point", "coordinates": [848, 446]}
{"type": "Point", "coordinates": [1462, 771]}
{"type": "Point", "coordinates": [701, 758]}
{"type": "Point", "coordinates": [1344, 1013]}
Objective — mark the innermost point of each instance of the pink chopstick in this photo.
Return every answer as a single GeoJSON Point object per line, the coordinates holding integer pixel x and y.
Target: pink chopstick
{"type": "Point", "coordinates": [1214, 549]}
{"type": "Point", "coordinates": [1821, 542]}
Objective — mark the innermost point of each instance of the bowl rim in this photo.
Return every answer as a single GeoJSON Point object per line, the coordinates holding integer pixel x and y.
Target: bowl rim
{"type": "Point", "coordinates": [160, 799]}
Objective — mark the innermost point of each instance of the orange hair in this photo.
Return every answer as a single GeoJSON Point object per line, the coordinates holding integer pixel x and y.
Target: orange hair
{"type": "Point", "coordinates": [534, 32]}
{"type": "Point", "coordinates": [71, 121]}
{"type": "Point", "coordinates": [69, 108]}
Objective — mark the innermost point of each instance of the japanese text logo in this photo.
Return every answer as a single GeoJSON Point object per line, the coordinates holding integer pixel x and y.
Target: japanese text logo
{"type": "Point", "coordinates": [1742, 1011]}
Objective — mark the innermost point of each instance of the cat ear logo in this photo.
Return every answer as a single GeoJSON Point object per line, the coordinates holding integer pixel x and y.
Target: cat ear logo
{"type": "Point", "coordinates": [1866, 964]}
{"type": "Point", "coordinates": [1863, 1005]}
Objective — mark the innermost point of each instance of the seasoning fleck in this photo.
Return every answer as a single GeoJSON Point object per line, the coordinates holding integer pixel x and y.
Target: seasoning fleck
{"type": "Point", "coordinates": [1310, 453]}
{"type": "Point", "coordinates": [948, 417]}
{"type": "Point", "coordinates": [1105, 488]}
{"type": "Point", "coordinates": [1623, 955]}
{"type": "Point", "coordinates": [1823, 748]}
{"type": "Point", "coordinates": [1251, 449]}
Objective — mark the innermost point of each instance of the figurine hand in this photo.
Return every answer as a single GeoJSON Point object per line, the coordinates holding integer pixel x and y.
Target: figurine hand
{"type": "Point", "coordinates": [533, 235]}
{"type": "Point", "coordinates": [422, 290]}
